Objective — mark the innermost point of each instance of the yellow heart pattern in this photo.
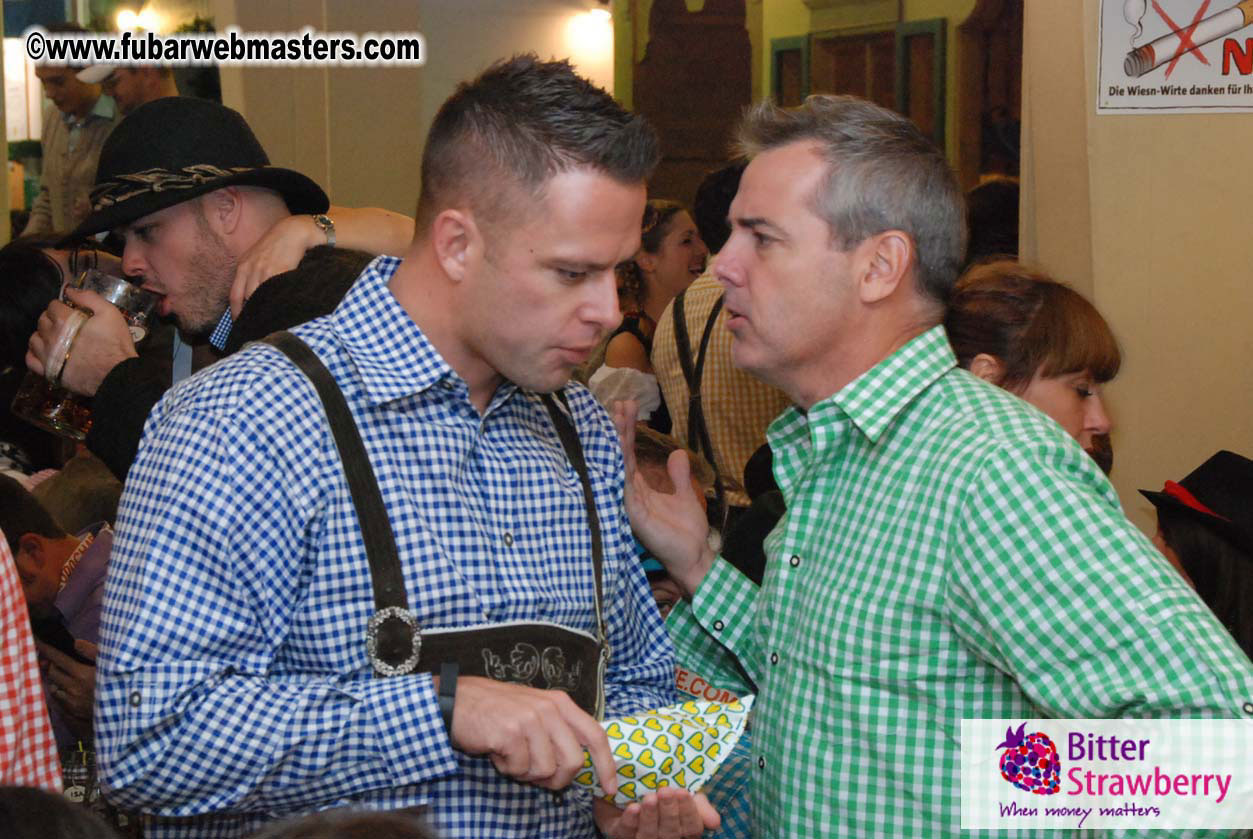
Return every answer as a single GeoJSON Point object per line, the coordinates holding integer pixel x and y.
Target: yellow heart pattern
{"type": "Point", "coordinates": [680, 746]}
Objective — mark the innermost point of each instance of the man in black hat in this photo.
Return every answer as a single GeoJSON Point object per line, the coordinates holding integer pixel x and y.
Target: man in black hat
{"type": "Point", "coordinates": [435, 620]}
{"type": "Point", "coordinates": [188, 186]}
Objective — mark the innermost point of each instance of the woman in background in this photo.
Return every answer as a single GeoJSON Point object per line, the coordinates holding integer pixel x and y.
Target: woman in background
{"type": "Point", "coordinates": [671, 256]}
{"type": "Point", "coordinates": [1024, 331]}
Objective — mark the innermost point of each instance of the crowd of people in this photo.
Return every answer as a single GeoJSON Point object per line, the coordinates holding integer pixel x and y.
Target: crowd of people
{"type": "Point", "coordinates": [350, 549]}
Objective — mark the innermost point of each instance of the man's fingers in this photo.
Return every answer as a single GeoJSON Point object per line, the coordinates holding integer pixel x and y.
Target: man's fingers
{"type": "Point", "coordinates": [680, 469]}
{"type": "Point", "coordinates": [710, 820]}
{"type": "Point", "coordinates": [86, 649]}
{"type": "Point", "coordinates": [83, 299]}
{"type": "Point", "coordinates": [236, 297]}
{"type": "Point", "coordinates": [33, 352]}
{"type": "Point", "coordinates": [53, 655]}
{"type": "Point", "coordinates": [592, 737]}
{"type": "Point", "coordinates": [624, 414]}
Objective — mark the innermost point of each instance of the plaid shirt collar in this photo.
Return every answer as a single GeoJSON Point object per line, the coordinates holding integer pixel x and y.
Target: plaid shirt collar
{"type": "Point", "coordinates": [222, 331]}
{"type": "Point", "coordinates": [877, 397]}
{"type": "Point", "coordinates": [405, 364]}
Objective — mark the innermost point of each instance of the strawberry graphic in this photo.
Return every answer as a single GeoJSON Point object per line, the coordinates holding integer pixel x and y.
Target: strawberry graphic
{"type": "Point", "coordinates": [1030, 761]}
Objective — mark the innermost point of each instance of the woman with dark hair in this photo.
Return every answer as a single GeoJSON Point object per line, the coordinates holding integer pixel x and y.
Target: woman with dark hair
{"type": "Point", "coordinates": [671, 256]}
{"type": "Point", "coordinates": [1024, 331]}
{"type": "Point", "coordinates": [1205, 528]}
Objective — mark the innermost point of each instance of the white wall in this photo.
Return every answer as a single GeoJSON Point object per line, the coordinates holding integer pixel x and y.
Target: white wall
{"type": "Point", "coordinates": [359, 131]}
{"type": "Point", "coordinates": [1148, 214]}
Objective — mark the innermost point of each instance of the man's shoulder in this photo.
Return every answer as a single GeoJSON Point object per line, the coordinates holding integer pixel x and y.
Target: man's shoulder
{"type": "Point", "coordinates": [977, 426]}
{"type": "Point", "coordinates": [257, 380]}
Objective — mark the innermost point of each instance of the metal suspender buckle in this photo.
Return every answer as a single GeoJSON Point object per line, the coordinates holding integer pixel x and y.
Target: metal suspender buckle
{"type": "Point", "coordinates": [376, 627]}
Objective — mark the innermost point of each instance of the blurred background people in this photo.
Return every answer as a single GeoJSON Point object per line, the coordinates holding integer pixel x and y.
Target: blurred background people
{"type": "Point", "coordinates": [1022, 330]}
{"type": "Point", "coordinates": [671, 256]}
{"type": "Point", "coordinates": [1205, 528]}
{"type": "Point", "coordinates": [728, 420]}
{"type": "Point", "coordinates": [992, 219]}
{"type": "Point", "coordinates": [62, 578]}
{"type": "Point", "coordinates": [74, 130]}
{"type": "Point", "coordinates": [130, 87]}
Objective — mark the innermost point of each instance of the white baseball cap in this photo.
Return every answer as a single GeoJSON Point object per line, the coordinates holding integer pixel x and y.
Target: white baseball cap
{"type": "Point", "coordinates": [96, 73]}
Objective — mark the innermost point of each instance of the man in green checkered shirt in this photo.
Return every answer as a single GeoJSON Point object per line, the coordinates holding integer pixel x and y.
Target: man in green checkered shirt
{"type": "Point", "coordinates": [948, 551]}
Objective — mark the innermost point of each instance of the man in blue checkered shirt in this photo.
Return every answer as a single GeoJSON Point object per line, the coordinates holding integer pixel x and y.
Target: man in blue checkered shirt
{"type": "Point", "coordinates": [235, 686]}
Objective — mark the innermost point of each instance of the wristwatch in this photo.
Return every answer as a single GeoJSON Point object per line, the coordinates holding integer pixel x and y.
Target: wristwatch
{"type": "Point", "coordinates": [324, 223]}
{"type": "Point", "coordinates": [447, 692]}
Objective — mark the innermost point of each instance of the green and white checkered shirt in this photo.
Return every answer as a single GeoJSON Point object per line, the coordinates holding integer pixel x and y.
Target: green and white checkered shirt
{"type": "Point", "coordinates": [948, 553]}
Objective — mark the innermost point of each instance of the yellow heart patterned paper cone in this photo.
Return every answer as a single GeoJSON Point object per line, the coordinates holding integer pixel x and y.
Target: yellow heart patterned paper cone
{"type": "Point", "coordinates": [677, 746]}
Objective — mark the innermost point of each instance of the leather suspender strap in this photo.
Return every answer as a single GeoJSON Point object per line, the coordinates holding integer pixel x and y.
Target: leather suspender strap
{"type": "Point", "coordinates": [697, 430]}
{"type": "Point", "coordinates": [574, 451]}
{"type": "Point", "coordinates": [394, 640]}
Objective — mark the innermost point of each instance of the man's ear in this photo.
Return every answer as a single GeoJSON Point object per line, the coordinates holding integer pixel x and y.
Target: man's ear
{"type": "Point", "coordinates": [887, 258]}
{"type": "Point", "coordinates": [457, 242]}
{"type": "Point", "coordinates": [987, 367]}
{"type": "Point", "coordinates": [223, 208]}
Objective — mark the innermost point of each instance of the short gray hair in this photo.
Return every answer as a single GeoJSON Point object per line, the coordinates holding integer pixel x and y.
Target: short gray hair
{"type": "Point", "coordinates": [884, 174]}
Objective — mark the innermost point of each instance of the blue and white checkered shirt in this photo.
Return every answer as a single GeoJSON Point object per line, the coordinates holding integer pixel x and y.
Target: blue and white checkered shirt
{"type": "Point", "coordinates": [233, 678]}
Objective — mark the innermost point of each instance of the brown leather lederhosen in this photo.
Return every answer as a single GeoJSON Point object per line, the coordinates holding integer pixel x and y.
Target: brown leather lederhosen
{"type": "Point", "coordinates": [539, 654]}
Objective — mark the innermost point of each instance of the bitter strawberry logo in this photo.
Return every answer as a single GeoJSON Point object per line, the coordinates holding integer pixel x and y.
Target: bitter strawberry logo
{"type": "Point", "coordinates": [1030, 761]}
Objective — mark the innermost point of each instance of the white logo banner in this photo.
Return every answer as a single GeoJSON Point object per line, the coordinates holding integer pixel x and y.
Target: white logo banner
{"type": "Point", "coordinates": [1111, 774]}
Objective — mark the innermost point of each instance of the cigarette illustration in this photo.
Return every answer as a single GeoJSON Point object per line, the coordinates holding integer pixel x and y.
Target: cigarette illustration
{"type": "Point", "coordinates": [1155, 53]}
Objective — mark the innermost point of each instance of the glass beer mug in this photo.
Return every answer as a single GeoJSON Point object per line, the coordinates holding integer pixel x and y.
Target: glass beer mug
{"type": "Point", "coordinates": [41, 400]}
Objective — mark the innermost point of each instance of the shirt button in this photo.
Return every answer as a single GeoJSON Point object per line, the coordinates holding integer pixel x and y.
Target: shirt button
{"type": "Point", "coordinates": [795, 560]}
{"type": "Point", "coordinates": [774, 658]}
{"type": "Point", "coordinates": [1248, 707]}
{"type": "Point", "coordinates": [719, 626]}
{"type": "Point", "coordinates": [446, 385]}
{"type": "Point", "coordinates": [509, 540]}
{"type": "Point", "coordinates": [761, 763]}
{"type": "Point", "coordinates": [137, 699]}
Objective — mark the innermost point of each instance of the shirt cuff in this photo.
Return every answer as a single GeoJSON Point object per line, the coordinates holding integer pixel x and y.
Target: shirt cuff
{"type": "Point", "coordinates": [411, 732]}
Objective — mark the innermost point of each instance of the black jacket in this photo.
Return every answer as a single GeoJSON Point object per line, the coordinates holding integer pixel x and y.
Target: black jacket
{"type": "Point", "coordinates": [127, 394]}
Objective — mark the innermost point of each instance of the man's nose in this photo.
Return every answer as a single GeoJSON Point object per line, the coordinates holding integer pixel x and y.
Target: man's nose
{"type": "Point", "coordinates": [728, 265]}
{"type": "Point", "coordinates": [603, 308]}
{"type": "Point", "coordinates": [133, 263]}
